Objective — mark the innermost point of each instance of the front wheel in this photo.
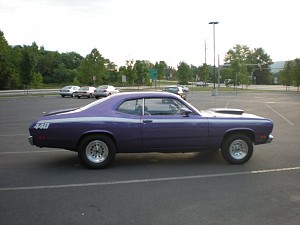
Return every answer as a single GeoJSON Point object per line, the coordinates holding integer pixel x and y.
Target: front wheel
{"type": "Point", "coordinates": [97, 151]}
{"type": "Point", "coordinates": [237, 149]}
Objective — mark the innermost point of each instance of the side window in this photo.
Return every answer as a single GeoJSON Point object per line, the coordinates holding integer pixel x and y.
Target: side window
{"type": "Point", "coordinates": [133, 107]}
{"type": "Point", "coordinates": [163, 106]}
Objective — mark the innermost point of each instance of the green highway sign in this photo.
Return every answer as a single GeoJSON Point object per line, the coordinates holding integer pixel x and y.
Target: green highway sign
{"type": "Point", "coordinates": [153, 74]}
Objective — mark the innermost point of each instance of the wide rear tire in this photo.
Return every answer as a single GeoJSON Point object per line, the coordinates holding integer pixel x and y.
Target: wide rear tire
{"type": "Point", "coordinates": [97, 151]}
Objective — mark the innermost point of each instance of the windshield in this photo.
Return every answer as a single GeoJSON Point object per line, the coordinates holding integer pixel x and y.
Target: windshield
{"type": "Point", "coordinates": [102, 87]}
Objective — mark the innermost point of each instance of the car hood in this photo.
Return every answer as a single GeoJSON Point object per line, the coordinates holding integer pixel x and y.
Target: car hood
{"type": "Point", "coordinates": [228, 113]}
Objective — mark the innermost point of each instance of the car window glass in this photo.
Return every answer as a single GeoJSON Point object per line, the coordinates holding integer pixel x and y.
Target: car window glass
{"type": "Point", "coordinates": [163, 106]}
{"type": "Point", "coordinates": [133, 107]}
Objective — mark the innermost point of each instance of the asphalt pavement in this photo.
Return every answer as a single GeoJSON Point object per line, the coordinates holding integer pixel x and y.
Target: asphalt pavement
{"type": "Point", "coordinates": [50, 186]}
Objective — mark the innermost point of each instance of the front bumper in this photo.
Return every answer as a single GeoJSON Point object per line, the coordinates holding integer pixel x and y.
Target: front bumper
{"type": "Point", "coordinates": [270, 139]}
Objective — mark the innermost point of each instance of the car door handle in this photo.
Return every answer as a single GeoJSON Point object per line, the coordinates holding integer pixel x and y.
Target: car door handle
{"type": "Point", "coordinates": [147, 121]}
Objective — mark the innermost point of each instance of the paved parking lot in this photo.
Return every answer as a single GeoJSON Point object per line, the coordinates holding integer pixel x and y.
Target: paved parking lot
{"type": "Point", "coordinates": [49, 186]}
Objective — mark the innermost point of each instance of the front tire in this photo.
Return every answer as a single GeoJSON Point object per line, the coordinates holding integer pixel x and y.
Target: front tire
{"type": "Point", "coordinates": [97, 151]}
{"type": "Point", "coordinates": [237, 149]}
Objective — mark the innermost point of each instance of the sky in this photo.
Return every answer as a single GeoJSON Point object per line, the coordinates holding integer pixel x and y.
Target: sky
{"type": "Point", "coordinates": [173, 31]}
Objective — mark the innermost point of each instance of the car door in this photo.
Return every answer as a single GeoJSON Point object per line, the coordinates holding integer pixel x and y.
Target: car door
{"type": "Point", "coordinates": [164, 128]}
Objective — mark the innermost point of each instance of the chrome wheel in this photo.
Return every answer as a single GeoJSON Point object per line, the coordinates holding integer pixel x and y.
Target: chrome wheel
{"type": "Point", "coordinates": [238, 149]}
{"type": "Point", "coordinates": [96, 151]}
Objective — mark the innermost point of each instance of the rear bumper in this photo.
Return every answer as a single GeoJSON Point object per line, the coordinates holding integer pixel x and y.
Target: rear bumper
{"type": "Point", "coordinates": [30, 140]}
{"type": "Point", "coordinates": [270, 139]}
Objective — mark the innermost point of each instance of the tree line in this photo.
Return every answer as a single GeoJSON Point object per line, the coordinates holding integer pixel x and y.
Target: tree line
{"type": "Point", "coordinates": [290, 75]}
{"type": "Point", "coordinates": [35, 67]}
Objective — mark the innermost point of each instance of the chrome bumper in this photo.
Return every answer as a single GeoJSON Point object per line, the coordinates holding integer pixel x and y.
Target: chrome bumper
{"type": "Point", "coordinates": [270, 139]}
{"type": "Point", "coordinates": [30, 139]}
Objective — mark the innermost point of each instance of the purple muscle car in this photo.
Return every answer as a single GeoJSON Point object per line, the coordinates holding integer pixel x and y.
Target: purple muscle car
{"type": "Point", "coordinates": [140, 122]}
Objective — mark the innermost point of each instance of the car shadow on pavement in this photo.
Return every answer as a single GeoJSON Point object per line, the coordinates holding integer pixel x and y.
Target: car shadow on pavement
{"type": "Point", "coordinates": [167, 159]}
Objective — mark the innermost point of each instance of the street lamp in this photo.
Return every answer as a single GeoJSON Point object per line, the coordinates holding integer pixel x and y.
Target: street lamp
{"type": "Point", "coordinates": [214, 90]}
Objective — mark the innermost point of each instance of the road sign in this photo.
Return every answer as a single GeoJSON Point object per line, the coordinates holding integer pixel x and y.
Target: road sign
{"type": "Point", "coordinates": [153, 74]}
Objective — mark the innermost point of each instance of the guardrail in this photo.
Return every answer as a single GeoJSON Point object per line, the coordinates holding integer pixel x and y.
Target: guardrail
{"type": "Point", "coordinates": [29, 92]}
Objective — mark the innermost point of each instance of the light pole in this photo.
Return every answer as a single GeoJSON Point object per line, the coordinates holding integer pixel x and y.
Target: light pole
{"type": "Point", "coordinates": [214, 23]}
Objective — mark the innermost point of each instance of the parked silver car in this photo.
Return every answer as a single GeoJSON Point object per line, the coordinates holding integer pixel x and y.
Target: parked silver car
{"type": "Point", "coordinates": [68, 91]}
{"type": "Point", "coordinates": [105, 90]}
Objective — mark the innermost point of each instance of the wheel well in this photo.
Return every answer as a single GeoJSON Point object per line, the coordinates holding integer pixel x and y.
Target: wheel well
{"type": "Point", "coordinates": [98, 133]}
{"type": "Point", "coordinates": [248, 133]}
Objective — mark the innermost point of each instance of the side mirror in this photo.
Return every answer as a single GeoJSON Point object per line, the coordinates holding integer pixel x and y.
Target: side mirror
{"type": "Point", "coordinates": [185, 112]}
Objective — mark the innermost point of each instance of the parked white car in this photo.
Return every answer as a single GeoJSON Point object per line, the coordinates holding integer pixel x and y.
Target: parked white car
{"type": "Point", "coordinates": [68, 91]}
{"type": "Point", "coordinates": [105, 90]}
{"type": "Point", "coordinates": [85, 91]}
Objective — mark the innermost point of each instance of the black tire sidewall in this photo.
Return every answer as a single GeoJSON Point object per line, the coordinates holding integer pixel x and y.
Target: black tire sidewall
{"type": "Point", "coordinates": [226, 144]}
{"type": "Point", "coordinates": [82, 151]}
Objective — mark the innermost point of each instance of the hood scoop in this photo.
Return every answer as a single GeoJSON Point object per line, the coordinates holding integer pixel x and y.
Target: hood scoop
{"type": "Point", "coordinates": [227, 111]}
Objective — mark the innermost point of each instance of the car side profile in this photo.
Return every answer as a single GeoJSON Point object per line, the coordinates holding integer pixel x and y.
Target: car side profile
{"type": "Point", "coordinates": [202, 84]}
{"type": "Point", "coordinates": [105, 90]}
{"type": "Point", "coordinates": [68, 91]}
{"type": "Point", "coordinates": [140, 122]}
{"type": "Point", "coordinates": [85, 91]}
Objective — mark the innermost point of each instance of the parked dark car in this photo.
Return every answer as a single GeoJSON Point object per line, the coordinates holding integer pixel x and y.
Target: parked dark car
{"type": "Point", "coordinates": [141, 122]}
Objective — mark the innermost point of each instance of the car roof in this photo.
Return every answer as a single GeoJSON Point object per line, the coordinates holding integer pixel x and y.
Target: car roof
{"type": "Point", "coordinates": [145, 94]}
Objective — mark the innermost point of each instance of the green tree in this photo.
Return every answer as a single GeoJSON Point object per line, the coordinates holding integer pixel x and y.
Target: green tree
{"type": "Point", "coordinates": [130, 72]}
{"type": "Point", "coordinates": [261, 72]}
{"type": "Point", "coordinates": [286, 75]}
{"type": "Point", "coordinates": [93, 65]}
{"type": "Point", "coordinates": [206, 73]}
{"type": "Point", "coordinates": [113, 74]}
{"type": "Point", "coordinates": [246, 63]}
{"type": "Point", "coordinates": [8, 75]}
{"type": "Point", "coordinates": [47, 63]}
{"type": "Point", "coordinates": [296, 72]}
{"type": "Point", "coordinates": [184, 73]}
{"type": "Point", "coordinates": [162, 70]}
{"type": "Point", "coordinates": [141, 69]}
{"type": "Point", "coordinates": [290, 75]}
{"type": "Point", "coordinates": [28, 63]}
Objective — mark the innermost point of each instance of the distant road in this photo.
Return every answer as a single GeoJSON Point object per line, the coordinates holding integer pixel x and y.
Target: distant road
{"type": "Point", "coordinates": [56, 91]}
{"type": "Point", "coordinates": [271, 87]}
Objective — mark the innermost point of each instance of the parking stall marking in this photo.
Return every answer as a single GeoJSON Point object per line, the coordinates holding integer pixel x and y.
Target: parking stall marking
{"type": "Point", "coordinates": [279, 114]}
{"type": "Point", "coordinates": [149, 180]}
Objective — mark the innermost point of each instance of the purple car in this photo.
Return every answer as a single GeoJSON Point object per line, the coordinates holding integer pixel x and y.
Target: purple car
{"type": "Point", "coordinates": [139, 122]}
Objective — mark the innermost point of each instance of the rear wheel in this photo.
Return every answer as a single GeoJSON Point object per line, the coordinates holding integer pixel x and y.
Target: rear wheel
{"type": "Point", "coordinates": [97, 151]}
{"type": "Point", "coordinates": [237, 149]}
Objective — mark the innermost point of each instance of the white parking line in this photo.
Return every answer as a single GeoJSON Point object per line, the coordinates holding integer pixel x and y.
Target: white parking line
{"type": "Point", "coordinates": [279, 114]}
{"type": "Point", "coordinates": [37, 151]}
{"type": "Point", "coordinates": [13, 135]}
{"type": "Point", "coordinates": [148, 180]}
